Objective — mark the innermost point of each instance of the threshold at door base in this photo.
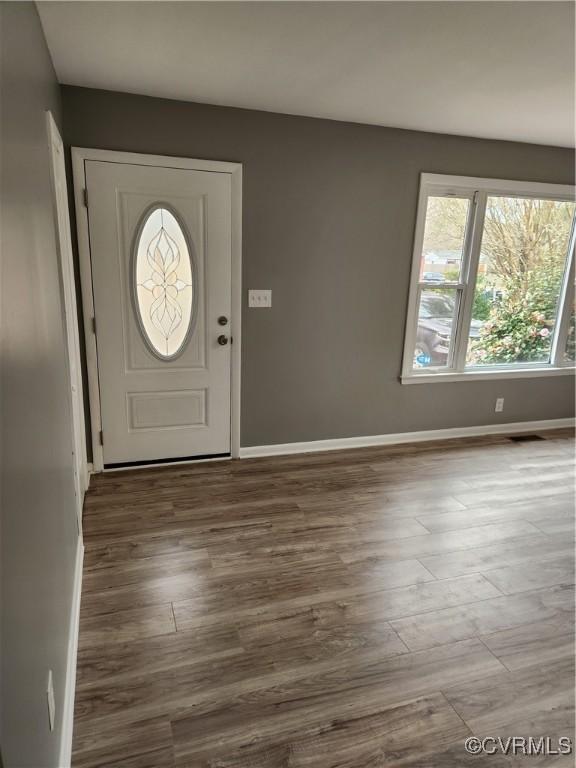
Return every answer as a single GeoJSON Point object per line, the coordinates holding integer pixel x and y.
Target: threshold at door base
{"type": "Point", "coordinates": [166, 462]}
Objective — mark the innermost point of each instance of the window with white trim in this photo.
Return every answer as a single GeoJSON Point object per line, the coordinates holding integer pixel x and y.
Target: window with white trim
{"type": "Point", "coordinates": [492, 289]}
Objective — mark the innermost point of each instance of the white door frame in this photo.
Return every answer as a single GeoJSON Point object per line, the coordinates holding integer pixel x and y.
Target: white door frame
{"type": "Point", "coordinates": [70, 307]}
{"type": "Point", "coordinates": [79, 157]}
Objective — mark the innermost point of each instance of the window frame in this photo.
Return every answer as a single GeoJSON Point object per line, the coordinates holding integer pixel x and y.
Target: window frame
{"type": "Point", "coordinates": [477, 190]}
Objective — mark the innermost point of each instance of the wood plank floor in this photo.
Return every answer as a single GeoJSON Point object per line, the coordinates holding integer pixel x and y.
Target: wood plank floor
{"type": "Point", "coordinates": [351, 609]}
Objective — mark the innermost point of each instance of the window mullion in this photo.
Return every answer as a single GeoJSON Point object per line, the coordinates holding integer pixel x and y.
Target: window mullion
{"type": "Point", "coordinates": [470, 271]}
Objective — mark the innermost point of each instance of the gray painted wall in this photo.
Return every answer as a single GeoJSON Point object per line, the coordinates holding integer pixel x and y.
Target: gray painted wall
{"type": "Point", "coordinates": [38, 519]}
{"type": "Point", "coordinates": [329, 213]}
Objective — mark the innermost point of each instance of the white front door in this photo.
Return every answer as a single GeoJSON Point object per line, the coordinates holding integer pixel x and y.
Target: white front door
{"type": "Point", "coordinates": [160, 248]}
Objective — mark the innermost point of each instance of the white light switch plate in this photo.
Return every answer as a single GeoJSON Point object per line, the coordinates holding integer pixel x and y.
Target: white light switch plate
{"type": "Point", "coordinates": [259, 298]}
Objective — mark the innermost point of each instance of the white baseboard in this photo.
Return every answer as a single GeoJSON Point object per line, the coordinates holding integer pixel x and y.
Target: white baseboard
{"type": "Point", "coordinates": [314, 446]}
{"type": "Point", "coordinates": [68, 708]}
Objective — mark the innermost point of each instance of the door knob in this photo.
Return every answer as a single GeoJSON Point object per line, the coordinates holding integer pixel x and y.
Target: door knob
{"type": "Point", "coordinates": [222, 320]}
{"type": "Point", "coordinates": [222, 340]}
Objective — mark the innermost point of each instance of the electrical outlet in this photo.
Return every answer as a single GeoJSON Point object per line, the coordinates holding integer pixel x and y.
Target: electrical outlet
{"type": "Point", "coordinates": [499, 405]}
{"type": "Point", "coordinates": [51, 700]}
{"type": "Point", "coordinates": [258, 298]}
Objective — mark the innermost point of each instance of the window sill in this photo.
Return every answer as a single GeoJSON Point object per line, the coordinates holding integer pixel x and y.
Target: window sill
{"type": "Point", "coordinates": [502, 373]}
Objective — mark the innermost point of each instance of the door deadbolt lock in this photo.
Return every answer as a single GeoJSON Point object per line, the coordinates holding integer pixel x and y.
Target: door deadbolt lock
{"type": "Point", "coordinates": [222, 320]}
{"type": "Point", "coordinates": [222, 340]}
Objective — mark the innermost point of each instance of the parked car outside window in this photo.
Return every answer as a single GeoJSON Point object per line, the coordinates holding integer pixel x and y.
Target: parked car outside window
{"type": "Point", "coordinates": [434, 331]}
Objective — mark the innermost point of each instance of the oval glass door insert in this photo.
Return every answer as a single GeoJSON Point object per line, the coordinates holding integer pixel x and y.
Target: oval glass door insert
{"type": "Point", "coordinates": [163, 275]}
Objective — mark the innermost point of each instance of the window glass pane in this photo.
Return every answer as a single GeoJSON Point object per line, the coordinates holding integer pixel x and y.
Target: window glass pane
{"type": "Point", "coordinates": [444, 235]}
{"type": "Point", "coordinates": [164, 291]}
{"type": "Point", "coordinates": [436, 324]}
{"type": "Point", "coordinates": [520, 273]}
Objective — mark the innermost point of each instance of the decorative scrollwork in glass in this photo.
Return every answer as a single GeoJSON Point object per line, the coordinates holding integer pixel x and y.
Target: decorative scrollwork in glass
{"type": "Point", "coordinates": [164, 282]}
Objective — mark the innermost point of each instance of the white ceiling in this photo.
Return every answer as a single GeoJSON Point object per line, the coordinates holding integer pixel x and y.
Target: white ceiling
{"type": "Point", "coordinates": [489, 69]}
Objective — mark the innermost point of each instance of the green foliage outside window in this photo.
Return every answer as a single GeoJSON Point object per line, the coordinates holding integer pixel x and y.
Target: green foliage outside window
{"type": "Point", "coordinates": [519, 327]}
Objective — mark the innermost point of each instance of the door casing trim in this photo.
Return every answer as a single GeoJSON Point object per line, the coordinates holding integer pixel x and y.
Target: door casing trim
{"type": "Point", "coordinates": [80, 155]}
{"type": "Point", "coordinates": [63, 234]}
